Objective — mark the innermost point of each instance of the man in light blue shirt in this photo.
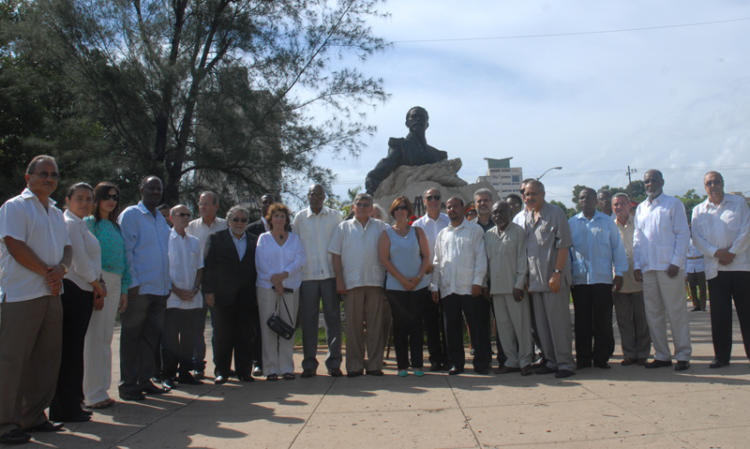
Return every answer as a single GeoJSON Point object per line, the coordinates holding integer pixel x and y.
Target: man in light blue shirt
{"type": "Point", "coordinates": [597, 251]}
{"type": "Point", "coordinates": [146, 236]}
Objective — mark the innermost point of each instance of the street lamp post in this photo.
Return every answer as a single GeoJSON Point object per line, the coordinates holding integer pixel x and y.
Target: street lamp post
{"type": "Point", "coordinates": [547, 171]}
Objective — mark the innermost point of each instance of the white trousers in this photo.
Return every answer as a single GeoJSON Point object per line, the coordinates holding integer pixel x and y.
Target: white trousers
{"type": "Point", "coordinates": [97, 346]}
{"type": "Point", "coordinates": [277, 351]}
{"type": "Point", "coordinates": [513, 320]}
{"type": "Point", "coordinates": [664, 299]}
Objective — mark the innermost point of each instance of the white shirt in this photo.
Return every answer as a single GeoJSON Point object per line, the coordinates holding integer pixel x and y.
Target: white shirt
{"type": "Point", "coordinates": [431, 229]}
{"type": "Point", "coordinates": [726, 225]}
{"type": "Point", "coordinates": [240, 244]}
{"type": "Point", "coordinates": [694, 262]}
{"type": "Point", "coordinates": [661, 234]}
{"type": "Point", "coordinates": [460, 260]}
{"type": "Point", "coordinates": [315, 231]}
{"type": "Point", "coordinates": [24, 218]}
{"type": "Point", "coordinates": [185, 259]}
{"type": "Point", "coordinates": [272, 258]}
{"type": "Point", "coordinates": [358, 247]}
{"type": "Point", "coordinates": [198, 228]}
{"type": "Point", "coordinates": [86, 264]}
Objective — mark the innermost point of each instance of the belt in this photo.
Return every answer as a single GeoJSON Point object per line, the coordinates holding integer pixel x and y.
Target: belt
{"type": "Point", "coordinates": [692, 258]}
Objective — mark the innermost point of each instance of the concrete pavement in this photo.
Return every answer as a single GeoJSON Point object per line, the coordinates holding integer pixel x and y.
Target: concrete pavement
{"type": "Point", "coordinates": [622, 407]}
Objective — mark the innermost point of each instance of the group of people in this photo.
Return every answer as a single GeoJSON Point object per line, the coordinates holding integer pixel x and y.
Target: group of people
{"type": "Point", "coordinates": [65, 276]}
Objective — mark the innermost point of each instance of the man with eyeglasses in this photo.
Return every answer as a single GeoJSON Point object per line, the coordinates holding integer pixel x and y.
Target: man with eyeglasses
{"type": "Point", "coordinates": [36, 253]}
{"type": "Point", "coordinates": [202, 227]}
{"type": "Point", "coordinates": [145, 233]}
{"type": "Point", "coordinates": [432, 222]}
{"type": "Point", "coordinates": [315, 225]}
{"type": "Point", "coordinates": [360, 277]}
{"type": "Point", "coordinates": [721, 231]}
{"type": "Point", "coordinates": [185, 303]}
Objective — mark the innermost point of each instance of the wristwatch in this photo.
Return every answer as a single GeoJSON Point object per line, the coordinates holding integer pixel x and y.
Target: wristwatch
{"type": "Point", "coordinates": [557, 271]}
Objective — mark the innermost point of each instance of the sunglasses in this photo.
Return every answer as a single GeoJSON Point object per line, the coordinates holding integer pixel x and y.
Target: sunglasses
{"type": "Point", "coordinates": [239, 220]}
{"type": "Point", "coordinates": [400, 208]}
{"type": "Point", "coordinates": [183, 215]}
{"type": "Point", "coordinates": [46, 174]}
{"type": "Point", "coordinates": [114, 197]}
{"type": "Point", "coordinates": [433, 198]}
{"type": "Point", "coordinates": [714, 183]}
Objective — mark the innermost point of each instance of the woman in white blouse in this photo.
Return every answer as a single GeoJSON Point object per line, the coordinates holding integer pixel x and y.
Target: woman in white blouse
{"type": "Point", "coordinates": [279, 257]}
{"type": "Point", "coordinates": [83, 292]}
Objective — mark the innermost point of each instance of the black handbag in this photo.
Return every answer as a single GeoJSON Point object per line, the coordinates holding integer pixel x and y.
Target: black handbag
{"type": "Point", "coordinates": [278, 325]}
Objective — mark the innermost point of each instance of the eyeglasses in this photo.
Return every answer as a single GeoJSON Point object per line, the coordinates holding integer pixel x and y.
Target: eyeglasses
{"type": "Point", "coordinates": [363, 205]}
{"type": "Point", "coordinates": [47, 174]}
{"type": "Point", "coordinates": [114, 197]}
{"type": "Point", "coordinates": [184, 215]}
{"type": "Point", "coordinates": [433, 198]}
{"type": "Point", "coordinates": [239, 220]}
{"type": "Point", "coordinates": [713, 183]}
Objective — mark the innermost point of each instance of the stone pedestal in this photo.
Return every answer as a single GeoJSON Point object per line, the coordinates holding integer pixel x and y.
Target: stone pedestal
{"type": "Point", "coordinates": [412, 181]}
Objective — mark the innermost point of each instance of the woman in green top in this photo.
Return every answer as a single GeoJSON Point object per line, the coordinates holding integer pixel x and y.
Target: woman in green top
{"type": "Point", "coordinates": [97, 357]}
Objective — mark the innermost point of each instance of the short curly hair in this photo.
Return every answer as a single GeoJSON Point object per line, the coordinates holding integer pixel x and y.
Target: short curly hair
{"type": "Point", "coordinates": [279, 207]}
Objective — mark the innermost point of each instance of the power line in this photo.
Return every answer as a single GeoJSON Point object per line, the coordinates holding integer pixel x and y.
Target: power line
{"type": "Point", "coordinates": [574, 33]}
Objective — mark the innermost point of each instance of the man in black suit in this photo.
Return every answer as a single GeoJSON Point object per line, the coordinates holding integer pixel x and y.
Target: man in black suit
{"type": "Point", "coordinates": [229, 287]}
{"type": "Point", "coordinates": [412, 150]}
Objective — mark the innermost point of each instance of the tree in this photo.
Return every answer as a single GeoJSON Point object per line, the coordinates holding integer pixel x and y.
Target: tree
{"type": "Point", "coordinates": [219, 91]}
{"type": "Point", "coordinates": [690, 199]}
{"type": "Point", "coordinates": [568, 211]}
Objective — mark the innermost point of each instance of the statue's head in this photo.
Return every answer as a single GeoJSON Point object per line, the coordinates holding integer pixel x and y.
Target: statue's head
{"type": "Point", "coordinates": [417, 119]}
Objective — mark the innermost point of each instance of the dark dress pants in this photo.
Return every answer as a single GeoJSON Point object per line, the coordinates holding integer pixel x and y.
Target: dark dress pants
{"type": "Point", "coordinates": [77, 306]}
{"type": "Point", "coordinates": [406, 309]}
{"type": "Point", "coordinates": [723, 288]}
{"type": "Point", "coordinates": [140, 333]}
{"type": "Point", "coordinates": [182, 329]}
{"type": "Point", "coordinates": [477, 313]}
{"type": "Point", "coordinates": [433, 327]}
{"type": "Point", "coordinates": [593, 320]}
{"type": "Point", "coordinates": [234, 334]}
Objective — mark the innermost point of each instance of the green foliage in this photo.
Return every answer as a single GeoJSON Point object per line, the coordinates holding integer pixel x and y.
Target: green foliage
{"type": "Point", "coordinates": [222, 95]}
{"type": "Point", "coordinates": [691, 199]}
{"type": "Point", "coordinates": [568, 211]}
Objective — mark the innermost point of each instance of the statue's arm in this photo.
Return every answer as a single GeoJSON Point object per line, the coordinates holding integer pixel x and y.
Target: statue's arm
{"type": "Point", "coordinates": [386, 165]}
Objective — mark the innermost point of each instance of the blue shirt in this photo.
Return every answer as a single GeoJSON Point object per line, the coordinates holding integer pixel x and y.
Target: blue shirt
{"type": "Point", "coordinates": [146, 238]}
{"type": "Point", "coordinates": [406, 256]}
{"type": "Point", "coordinates": [596, 249]}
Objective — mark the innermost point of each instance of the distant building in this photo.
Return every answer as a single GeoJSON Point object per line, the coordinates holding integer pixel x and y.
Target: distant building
{"type": "Point", "coordinates": [504, 178]}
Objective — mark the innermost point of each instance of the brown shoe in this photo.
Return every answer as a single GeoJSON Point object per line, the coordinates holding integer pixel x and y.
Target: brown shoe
{"type": "Point", "coordinates": [628, 361]}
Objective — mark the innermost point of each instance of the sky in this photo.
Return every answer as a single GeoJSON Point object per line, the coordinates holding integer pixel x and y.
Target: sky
{"type": "Point", "coordinates": [540, 82]}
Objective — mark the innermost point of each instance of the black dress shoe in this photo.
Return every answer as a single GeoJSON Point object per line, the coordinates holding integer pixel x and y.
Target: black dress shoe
{"type": "Point", "coordinates": [436, 367]}
{"type": "Point", "coordinates": [544, 369]}
{"type": "Point", "coordinates": [627, 361]}
{"type": "Point", "coordinates": [484, 371]}
{"type": "Point", "coordinates": [132, 396]}
{"type": "Point", "coordinates": [581, 364]}
{"type": "Point", "coordinates": [602, 365]}
{"type": "Point", "coordinates": [455, 370]}
{"type": "Point", "coordinates": [354, 374]}
{"type": "Point", "coordinates": [245, 378]}
{"type": "Point", "coordinates": [46, 426]}
{"type": "Point", "coordinates": [308, 372]}
{"type": "Point", "coordinates": [335, 372]}
{"type": "Point", "coordinates": [15, 436]}
{"type": "Point", "coordinates": [374, 372]}
{"type": "Point", "coordinates": [682, 365]}
{"type": "Point", "coordinates": [656, 363]}
{"type": "Point", "coordinates": [257, 371]}
{"type": "Point", "coordinates": [563, 373]}
{"type": "Point", "coordinates": [188, 379]}
{"type": "Point", "coordinates": [149, 388]}
{"type": "Point", "coordinates": [718, 364]}
{"type": "Point", "coordinates": [526, 370]}
{"type": "Point", "coordinates": [220, 379]}
{"type": "Point", "coordinates": [76, 417]}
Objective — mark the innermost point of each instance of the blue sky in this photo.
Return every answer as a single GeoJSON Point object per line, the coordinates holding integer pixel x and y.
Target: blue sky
{"type": "Point", "coordinates": [676, 99]}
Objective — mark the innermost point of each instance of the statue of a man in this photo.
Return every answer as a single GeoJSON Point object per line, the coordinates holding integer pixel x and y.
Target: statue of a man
{"type": "Point", "coordinates": [411, 150]}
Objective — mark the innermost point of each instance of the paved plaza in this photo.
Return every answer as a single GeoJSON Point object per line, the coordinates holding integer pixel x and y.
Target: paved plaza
{"type": "Point", "coordinates": [628, 407]}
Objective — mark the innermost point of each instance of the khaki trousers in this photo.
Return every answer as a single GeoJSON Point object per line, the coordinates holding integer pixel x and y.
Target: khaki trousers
{"type": "Point", "coordinates": [30, 348]}
{"type": "Point", "coordinates": [364, 310]}
{"type": "Point", "coordinates": [664, 299]}
{"type": "Point", "coordinates": [513, 320]}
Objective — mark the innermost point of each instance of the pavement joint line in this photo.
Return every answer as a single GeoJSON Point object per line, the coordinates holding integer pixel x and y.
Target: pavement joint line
{"type": "Point", "coordinates": [191, 399]}
{"type": "Point", "coordinates": [467, 420]}
{"type": "Point", "coordinates": [307, 420]}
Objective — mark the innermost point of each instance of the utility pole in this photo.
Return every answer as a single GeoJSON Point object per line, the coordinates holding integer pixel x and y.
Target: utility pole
{"type": "Point", "coordinates": [630, 172]}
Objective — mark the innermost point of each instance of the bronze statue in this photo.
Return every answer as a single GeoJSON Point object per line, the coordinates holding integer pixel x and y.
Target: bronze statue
{"type": "Point", "coordinates": [411, 150]}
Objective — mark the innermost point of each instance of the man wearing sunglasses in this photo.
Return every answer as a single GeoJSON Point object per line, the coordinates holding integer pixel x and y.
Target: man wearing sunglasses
{"type": "Point", "coordinates": [36, 253]}
{"type": "Point", "coordinates": [432, 222]}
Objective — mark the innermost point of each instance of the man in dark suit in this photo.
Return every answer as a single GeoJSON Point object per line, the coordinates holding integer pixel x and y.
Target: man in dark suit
{"type": "Point", "coordinates": [229, 287]}
{"type": "Point", "coordinates": [412, 150]}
